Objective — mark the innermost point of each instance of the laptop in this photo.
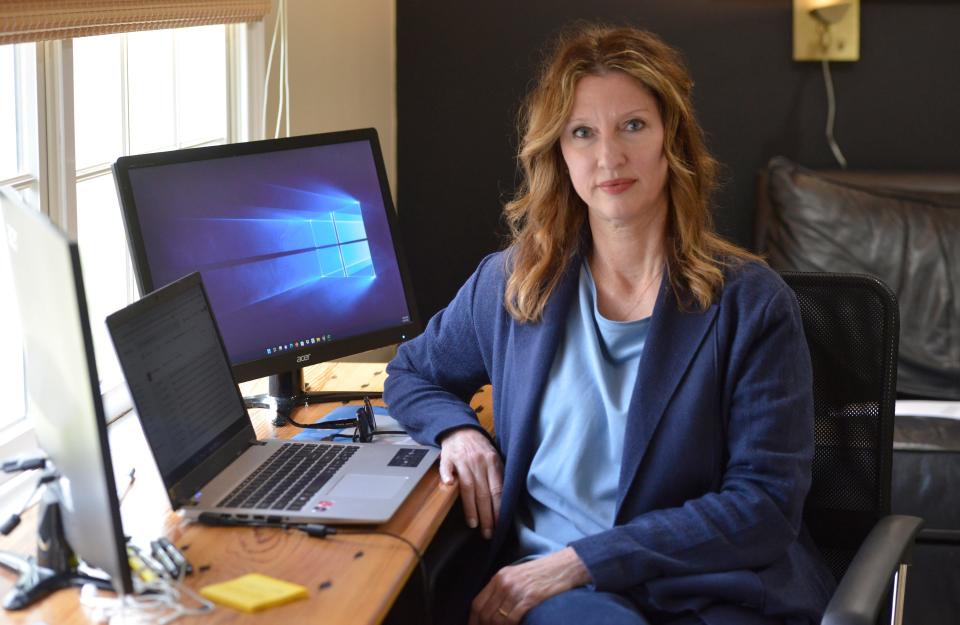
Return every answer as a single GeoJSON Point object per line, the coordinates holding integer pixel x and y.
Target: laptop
{"type": "Point", "coordinates": [205, 446]}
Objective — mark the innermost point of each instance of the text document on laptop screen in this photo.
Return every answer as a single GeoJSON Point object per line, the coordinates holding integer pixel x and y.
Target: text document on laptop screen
{"type": "Point", "coordinates": [186, 396]}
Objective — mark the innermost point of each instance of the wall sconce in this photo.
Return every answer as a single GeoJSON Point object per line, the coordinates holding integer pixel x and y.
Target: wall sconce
{"type": "Point", "coordinates": [826, 30]}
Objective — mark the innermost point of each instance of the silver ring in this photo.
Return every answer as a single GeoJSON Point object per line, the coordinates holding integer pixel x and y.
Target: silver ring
{"type": "Point", "coordinates": [503, 613]}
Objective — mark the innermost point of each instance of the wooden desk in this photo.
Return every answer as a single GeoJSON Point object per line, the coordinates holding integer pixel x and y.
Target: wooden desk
{"type": "Point", "coordinates": [365, 572]}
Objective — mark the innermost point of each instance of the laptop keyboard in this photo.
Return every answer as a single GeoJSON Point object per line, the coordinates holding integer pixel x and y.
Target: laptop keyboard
{"type": "Point", "coordinates": [289, 477]}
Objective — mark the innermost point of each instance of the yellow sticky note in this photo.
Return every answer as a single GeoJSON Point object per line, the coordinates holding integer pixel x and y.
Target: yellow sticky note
{"type": "Point", "coordinates": [253, 592]}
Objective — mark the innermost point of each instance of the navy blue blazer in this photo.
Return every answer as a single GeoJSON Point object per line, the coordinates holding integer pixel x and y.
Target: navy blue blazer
{"type": "Point", "coordinates": [717, 451]}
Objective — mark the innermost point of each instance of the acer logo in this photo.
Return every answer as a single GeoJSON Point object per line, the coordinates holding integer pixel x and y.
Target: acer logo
{"type": "Point", "coordinates": [303, 358]}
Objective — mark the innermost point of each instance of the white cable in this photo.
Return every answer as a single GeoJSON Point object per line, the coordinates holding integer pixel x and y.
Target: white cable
{"type": "Point", "coordinates": [163, 607]}
{"type": "Point", "coordinates": [266, 77]}
{"type": "Point", "coordinates": [281, 18]}
{"type": "Point", "coordinates": [281, 8]}
{"type": "Point", "coordinates": [286, 67]}
{"type": "Point", "coordinates": [831, 114]}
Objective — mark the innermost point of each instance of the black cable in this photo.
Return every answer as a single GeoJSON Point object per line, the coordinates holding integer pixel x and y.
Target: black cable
{"type": "Point", "coordinates": [23, 464]}
{"type": "Point", "coordinates": [353, 437]}
{"type": "Point", "coordinates": [324, 425]}
{"type": "Point", "coordinates": [365, 422]}
{"type": "Point", "coordinates": [14, 519]}
{"type": "Point", "coordinates": [425, 579]}
{"type": "Point", "coordinates": [318, 530]}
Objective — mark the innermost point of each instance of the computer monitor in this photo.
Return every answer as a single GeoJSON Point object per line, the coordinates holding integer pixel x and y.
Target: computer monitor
{"type": "Point", "coordinates": [64, 407]}
{"type": "Point", "coordinates": [296, 240]}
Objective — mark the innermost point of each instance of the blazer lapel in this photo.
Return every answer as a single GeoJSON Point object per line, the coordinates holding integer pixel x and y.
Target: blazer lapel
{"type": "Point", "coordinates": [673, 339]}
{"type": "Point", "coordinates": [531, 357]}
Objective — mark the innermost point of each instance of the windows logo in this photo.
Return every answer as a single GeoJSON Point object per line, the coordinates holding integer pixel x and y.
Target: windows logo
{"type": "Point", "coordinates": [341, 244]}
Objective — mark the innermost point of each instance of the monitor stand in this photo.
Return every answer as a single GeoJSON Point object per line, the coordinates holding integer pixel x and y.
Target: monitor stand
{"type": "Point", "coordinates": [286, 393]}
{"type": "Point", "coordinates": [52, 568]}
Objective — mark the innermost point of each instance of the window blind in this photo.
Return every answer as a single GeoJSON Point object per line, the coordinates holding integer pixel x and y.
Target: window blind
{"type": "Point", "coordinates": [40, 20]}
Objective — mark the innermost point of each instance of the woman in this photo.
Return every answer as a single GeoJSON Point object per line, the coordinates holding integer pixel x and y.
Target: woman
{"type": "Point", "coordinates": [651, 384]}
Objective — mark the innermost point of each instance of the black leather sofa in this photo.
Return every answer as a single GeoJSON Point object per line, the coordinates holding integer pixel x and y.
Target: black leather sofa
{"type": "Point", "coordinates": [904, 228]}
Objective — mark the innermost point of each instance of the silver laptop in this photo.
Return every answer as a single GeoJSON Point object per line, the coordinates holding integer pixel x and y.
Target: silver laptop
{"type": "Point", "coordinates": [205, 446]}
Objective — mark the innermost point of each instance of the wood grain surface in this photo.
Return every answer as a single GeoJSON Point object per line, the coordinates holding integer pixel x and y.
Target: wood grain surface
{"type": "Point", "coordinates": [351, 578]}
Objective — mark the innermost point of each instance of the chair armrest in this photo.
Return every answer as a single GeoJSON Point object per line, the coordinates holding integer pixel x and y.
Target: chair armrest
{"type": "Point", "coordinates": [865, 584]}
{"type": "Point", "coordinates": [938, 537]}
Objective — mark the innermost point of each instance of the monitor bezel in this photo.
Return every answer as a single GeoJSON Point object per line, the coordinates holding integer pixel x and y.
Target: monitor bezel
{"type": "Point", "coordinates": [183, 482]}
{"type": "Point", "coordinates": [116, 518]}
{"type": "Point", "coordinates": [294, 359]}
{"type": "Point", "coordinates": [124, 584]}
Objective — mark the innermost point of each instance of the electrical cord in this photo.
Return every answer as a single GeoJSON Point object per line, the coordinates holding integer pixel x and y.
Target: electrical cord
{"type": "Point", "coordinates": [421, 565]}
{"type": "Point", "coordinates": [23, 464]}
{"type": "Point", "coordinates": [341, 424]}
{"type": "Point", "coordinates": [158, 602]}
{"type": "Point", "coordinates": [14, 519]}
{"type": "Point", "coordinates": [831, 114]}
{"type": "Point", "coordinates": [318, 530]}
{"type": "Point", "coordinates": [286, 67]}
{"type": "Point", "coordinates": [365, 423]}
{"type": "Point", "coordinates": [283, 78]}
{"type": "Point", "coordinates": [266, 75]}
{"type": "Point", "coordinates": [354, 438]}
{"type": "Point", "coordinates": [337, 424]}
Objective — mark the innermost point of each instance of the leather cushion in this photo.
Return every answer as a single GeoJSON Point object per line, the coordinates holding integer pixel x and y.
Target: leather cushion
{"type": "Point", "coordinates": [910, 240]}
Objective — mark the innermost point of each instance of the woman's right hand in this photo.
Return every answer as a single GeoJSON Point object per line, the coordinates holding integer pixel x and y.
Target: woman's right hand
{"type": "Point", "coordinates": [468, 456]}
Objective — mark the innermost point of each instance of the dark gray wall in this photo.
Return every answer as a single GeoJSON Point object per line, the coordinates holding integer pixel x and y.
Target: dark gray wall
{"type": "Point", "coordinates": [462, 68]}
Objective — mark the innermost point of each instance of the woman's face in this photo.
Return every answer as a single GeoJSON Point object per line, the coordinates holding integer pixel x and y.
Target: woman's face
{"type": "Point", "coordinates": [613, 147]}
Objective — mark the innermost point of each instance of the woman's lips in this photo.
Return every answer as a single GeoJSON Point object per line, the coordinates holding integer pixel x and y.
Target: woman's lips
{"type": "Point", "coordinates": [616, 186]}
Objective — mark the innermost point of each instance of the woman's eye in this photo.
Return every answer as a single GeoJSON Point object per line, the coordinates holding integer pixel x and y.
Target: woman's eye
{"type": "Point", "coordinates": [634, 125]}
{"type": "Point", "coordinates": [581, 132]}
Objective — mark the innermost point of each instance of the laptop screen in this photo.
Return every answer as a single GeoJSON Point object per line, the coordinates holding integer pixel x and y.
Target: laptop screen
{"type": "Point", "coordinates": [179, 377]}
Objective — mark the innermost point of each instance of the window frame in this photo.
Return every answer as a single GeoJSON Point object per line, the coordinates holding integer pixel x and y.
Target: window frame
{"type": "Point", "coordinates": [49, 178]}
{"type": "Point", "coordinates": [115, 394]}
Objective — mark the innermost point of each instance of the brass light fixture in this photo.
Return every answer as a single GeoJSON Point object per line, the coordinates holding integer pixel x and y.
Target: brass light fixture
{"type": "Point", "coordinates": [826, 30]}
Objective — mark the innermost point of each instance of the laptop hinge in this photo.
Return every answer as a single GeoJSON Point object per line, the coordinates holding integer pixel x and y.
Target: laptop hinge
{"type": "Point", "coordinates": [186, 488]}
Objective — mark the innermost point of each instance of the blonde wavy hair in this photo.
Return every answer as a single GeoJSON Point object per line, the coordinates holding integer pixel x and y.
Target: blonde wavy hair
{"type": "Point", "coordinates": [546, 218]}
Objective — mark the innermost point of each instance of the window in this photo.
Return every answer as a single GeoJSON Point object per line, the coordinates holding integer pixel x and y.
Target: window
{"type": "Point", "coordinates": [133, 93]}
{"type": "Point", "coordinates": [11, 360]}
{"type": "Point", "coordinates": [18, 167]}
{"type": "Point", "coordinates": [103, 97]}
{"type": "Point", "coordinates": [18, 116]}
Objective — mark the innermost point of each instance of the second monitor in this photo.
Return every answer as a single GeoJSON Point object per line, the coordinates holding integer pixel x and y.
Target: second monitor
{"type": "Point", "coordinates": [296, 240]}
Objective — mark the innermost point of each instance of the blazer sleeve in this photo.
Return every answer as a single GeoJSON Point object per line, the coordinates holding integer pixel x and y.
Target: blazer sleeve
{"type": "Point", "coordinates": [756, 513]}
{"type": "Point", "coordinates": [433, 377]}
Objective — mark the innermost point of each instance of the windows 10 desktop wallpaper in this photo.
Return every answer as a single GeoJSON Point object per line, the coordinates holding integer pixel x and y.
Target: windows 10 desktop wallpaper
{"type": "Point", "coordinates": [293, 245]}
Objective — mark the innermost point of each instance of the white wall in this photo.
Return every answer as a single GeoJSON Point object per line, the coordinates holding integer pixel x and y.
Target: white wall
{"type": "Point", "coordinates": [342, 69]}
{"type": "Point", "coordinates": [342, 75]}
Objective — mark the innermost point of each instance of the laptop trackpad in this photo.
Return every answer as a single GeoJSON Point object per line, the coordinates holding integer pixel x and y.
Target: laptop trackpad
{"type": "Point", "coordinates": [360, 486]}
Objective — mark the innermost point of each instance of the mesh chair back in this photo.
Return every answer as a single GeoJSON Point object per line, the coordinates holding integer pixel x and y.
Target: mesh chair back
{"type": "Point", "coordinates": [852, 329]}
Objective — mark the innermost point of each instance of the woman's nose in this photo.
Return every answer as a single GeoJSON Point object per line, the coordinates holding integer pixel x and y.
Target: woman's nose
{"type": "Point", "coordinates": [610, 153]}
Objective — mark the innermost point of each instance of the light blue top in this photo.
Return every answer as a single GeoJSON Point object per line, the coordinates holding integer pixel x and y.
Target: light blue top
{"type": "Point", "coordinates": [573, 478]}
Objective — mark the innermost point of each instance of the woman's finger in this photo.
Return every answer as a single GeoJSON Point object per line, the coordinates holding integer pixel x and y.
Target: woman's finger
{"type": "Point", "coordinates": [485, 604]}
{"type": "Point", "coordinates": [495, 481]}
{"type": "Point", "coordinates": [484, 501]}
{"type": "Point", "coordinates": [467, 486]}
{"type": "Point", "coordinates": [446, 468]}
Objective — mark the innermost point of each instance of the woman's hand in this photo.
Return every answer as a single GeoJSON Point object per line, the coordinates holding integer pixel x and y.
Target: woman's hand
{"type": "Point", "coordinates": [516, 589]}
{"type": "Point", "coordinates": [469, 457]}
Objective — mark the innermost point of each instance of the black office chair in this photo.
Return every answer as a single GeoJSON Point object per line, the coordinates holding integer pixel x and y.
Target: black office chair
{"type": "Point", "coordinates": [852, 329]}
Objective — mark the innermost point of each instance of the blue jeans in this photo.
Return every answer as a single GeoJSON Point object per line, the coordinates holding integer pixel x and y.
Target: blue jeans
{"type": "Point", "coordinates": [582, 606]}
